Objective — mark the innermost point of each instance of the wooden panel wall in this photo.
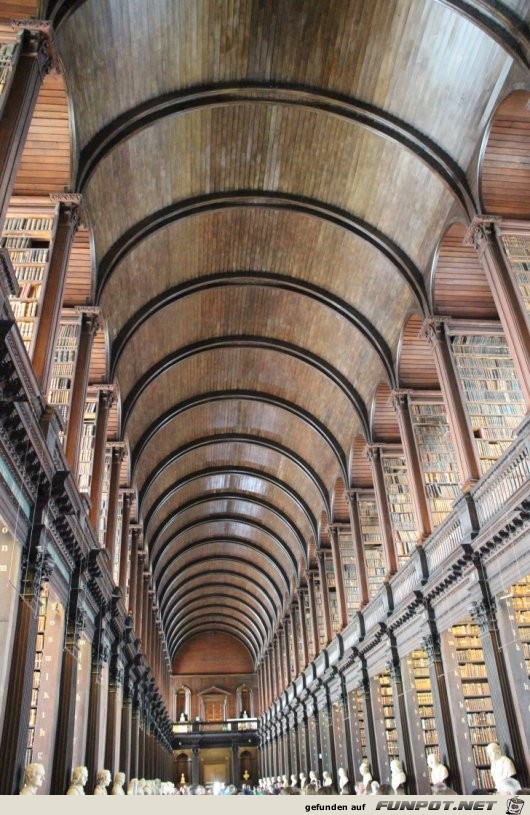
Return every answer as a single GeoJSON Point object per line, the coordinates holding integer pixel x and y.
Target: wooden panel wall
{"type": "Point", "coordinates": [416, 361]}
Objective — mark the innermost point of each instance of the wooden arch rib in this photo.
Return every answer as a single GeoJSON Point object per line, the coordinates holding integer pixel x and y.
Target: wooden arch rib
{"type": "Point", "coordinates": [459, 285]}
{"type": "Point", "coordinates": [258, 441]}
{"type": "Point", "coordinates": [245, 341]}
{"type": "Point", "coordinates": [415, 363]}
{"type": "Point", "coordinates": [253, 550]}
{"type": "Point", "coordinates": [238, 520]}
{"type": "Point", "coordinates": [384, 421]}
{"type": "Point", "coordinates": [222, 589]}
{"type": "Point", "coordinates": [253, 396]}
{"type": "Point", "coordinates": [206, 624]}
{"type": "Point", "coordinates": [505, 166]}
{"type": "Point", "coordinates": [265, 279]}
{"type": "Point", "coordinates": [219, 602]}
{"type": "Point", "coordinates": [339, 503]}
{"type": "Point", "coordinates": [226, 495]}
{"type": "Point", "coordinates": [253, 584]}
{"type": "Point", "coordinates": [316, 99]}
{"type": "Point", "coordinates": [236, 470]}
{"type": "Point", "coordinates": [265, 199]}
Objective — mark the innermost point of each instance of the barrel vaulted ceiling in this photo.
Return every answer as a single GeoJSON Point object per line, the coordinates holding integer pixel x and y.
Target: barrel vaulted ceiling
{"type": "Point", "coordinates": [266, 183]}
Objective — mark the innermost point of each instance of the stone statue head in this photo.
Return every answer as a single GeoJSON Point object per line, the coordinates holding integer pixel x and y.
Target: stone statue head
{"type": "Point", "coordinates": [493, 751]}
{"type": "Point", "coordinates": [103, 778]}
{"type": "Point", "coordinates": [119, 779]}
{"type": "Point", "coordinates": [34, 775]}
{"type": "Point", "coordinates": [79, 776]}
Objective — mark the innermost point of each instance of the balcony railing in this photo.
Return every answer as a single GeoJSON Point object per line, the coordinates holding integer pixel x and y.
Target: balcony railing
{"type": "Point", "coordinates": [203, 728]}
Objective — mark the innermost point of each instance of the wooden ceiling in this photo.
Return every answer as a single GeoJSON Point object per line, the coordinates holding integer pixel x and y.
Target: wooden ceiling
{"type": "Point", "coordinates": [266, 184]}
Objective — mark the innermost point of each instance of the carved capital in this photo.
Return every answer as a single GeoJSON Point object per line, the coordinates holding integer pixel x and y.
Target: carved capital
{"type": "Point", "coordinates": [394, 670]}
{"type": "Point", "coordinates": [400, 400]}
{"type": "Point", "coordinates": [431, 646]}
{"type": "Point", "coordinates": [481, 232]}
{"type": "Point", "coordinates": [433, 330]}
{"type": "Point", "coordinates": [373, 452]}
{"type": "Point", "coordinates": [44, 42]}
{"type": "Point", "coordinates": [90, 319]}
{"type": "Point", "coordinates": [483, 615]}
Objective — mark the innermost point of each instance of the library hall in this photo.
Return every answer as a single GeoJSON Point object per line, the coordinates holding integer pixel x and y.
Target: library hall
{"type": "Point", "coordinates": [264, 397]}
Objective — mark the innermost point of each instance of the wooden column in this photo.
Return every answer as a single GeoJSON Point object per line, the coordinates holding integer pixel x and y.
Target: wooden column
{"type": "Point", "coordinates": [20, 680]}
{"type": "Point", "coordinates": [313, 612]}
{"type": "Point", "coordinates": [135, 733]}
{"type": "Point", "coordinates": [126, 727]}
{"type": "Point", "coordinates": [105, 399]}
{"type": "Point", "coordinates": [281, 683]}
{"type": "Point", "coordinates": [138, 615]}
{"type": "Point", "coordinates": [302, 630]}
{"type": "Point", "coordinates": [401, 401]}
{"type": "Point", "coordinates": [324, 597]}
{"type": "Point", "coordinates": [136, 533]}
{"type": "Point", "coordinates": [358, 548]}
{"type": "Point", "coordinates": [32, 61]}
{"type": "Point", "coordinates": [89, 326]}
{"type": "Point", "coordinates": [95, 733]}
{"type": "Point", "coordinates": [434, 330]}
{"type": "Point", "coordinates": [485, 235]}
{"type": "Point", "coordinates": [383, 510]}
{"type": "Point", "coordinates": [52, 298]}
{"type": "Point", "coordinates": [339, 575]}
{"type": "Point", "coordinates": [284, 646]}
{"type": "Point", "coordinates": [270, 679]}
{"type": "Point", "coordinates": [400, 714]}
{"type": "Point", "coordinates": [117, 448]}
{"type": "Point", "coordinates": [127, 498]}
{"type": "Point", "coordinates": [64, 734]}
{"type": "Point", "coordinates": [145, 613]}
{"type": "Point", "coordinates": [294, 637]}
{"type": "Point", "coordinates": [114, 712]}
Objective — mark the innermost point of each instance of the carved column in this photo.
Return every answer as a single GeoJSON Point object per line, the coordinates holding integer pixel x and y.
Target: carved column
{"type": "Point", "coordinates": [114, 713]}
{"type": "Point", "coordinates": [138, 615]}
{"type": "Point", "coordinates": [195, 764]}
{"type": "Point", "coordinates": [281, 683]}
{"type": "Point", "coordinates": [400, 713]}
{"type": "Point", "coordinates": [284, 647]}
{"type": "Point", "coordinates": [383, 510]}
{"type": "Point", "coordinates": [126, 727]}
{"type": "Point", "coordinates": [52, 299]}
{"type": "Point", "coordinates": [136, 533]}
{"type": "Point", "coordinates": [358, 548]}
{"type": "Point", "coordinates": [485, 235]}
{"type": "Point", "coordinates": [302, 630]}
{"type": "Point", "coordinates": [295, 617]}
{"type": "Point", "coordinates": [135, 732]}
{"type": "Point", "coordinates": [36, 569]}
{"type": "Point", "coordinates": [324, 596]}
{"type": "Point", "coordinates": [236, 773]}
{"type": "Point", "coordinates": [270, 676]}
{"type": "Point", "coordinates": [313, 612]}
{"type": "Point", "coordinates": [445, 727]}
{"type": "Point", "coordinates": [401, 404]}
{"type": "Point", "coordinates": [32, 61]}
{"type": "Point", "coordinates": [89, 326]}
{"type": "Point", "coordinates": [465, 449]}
{"type": "Point", "coordinates": [105, 400]}
{"type": "Point", "coordinates": [95, 729]}
{"type": "Point", "coordinates": [508, 733]}
{"type": "Point", "coordinates": [145, 613]}
{"type": "Point", "coordinates": [64, 734]}
{"type": "Point", "coordinates": [127, 497]}
{"type": "Point", "coordinates": [117, 454]}
{"type": "Point", "coordinates": [339, 576]}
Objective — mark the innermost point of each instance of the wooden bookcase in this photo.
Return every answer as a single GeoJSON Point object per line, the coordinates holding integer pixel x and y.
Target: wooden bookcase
{"type": "Point", "coordinates": [401, 504]}
{"type": "Point", "coordinates": [358, 725]}
{"type": "Point", "coordinates": [477, 698]}
{"type": "Point", "coordinates": [104, 502]}
{"type": "Point", "coordinates": [349, 571]}
{"type": "Point", "coordinates": [492, 395]}
{"type": "Point", "coordinates": [437, 456]}
{"type": "Point", "coordinates": [389, 721]}
{"type": "Point", "coordinates": [422, 684]}
{"type": "Point", "coordinates": [372, 543]}
{"type": "Point", "coordinates": [88, 435]}
{"type": "Point", "coordinates": [320, 615]}
{"type": "Point", "coordinates": [28, 237]}
{"type": "Point", "coordinates": [306, 615]}
{"type": "Point", "coordinates": [332, 593]}
{"type": "Point", "coordinates": [63, 367]}
{"type": "Point", "coordinates": [521, 608]}
{"type": "Point", "coordinates": [37, 668]}
{"type": "Point", "coordinates": [517, 248]}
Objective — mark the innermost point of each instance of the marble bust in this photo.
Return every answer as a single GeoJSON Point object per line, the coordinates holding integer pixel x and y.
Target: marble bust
{"type": "Point", "coordinates": [79, 779]}
{"type": "Point", "coordinates": [33, 779]}
{"type": "Point", "coordinates": [501, 767]}
{"type": "Point", "coordinates": [327, 780]}
{"type": "Point", "coordinates": [343, 781]}
{"type": "Point", "coordinates": [439, 771]}
{"type": "Point", "coordinates": [398, 777]}
{"type": "Point", "coordinates": [366, 774]}
{"type": "Point", "coordinates": [117, 785]}
{"type": "Point", "coordinates": [102, 782]}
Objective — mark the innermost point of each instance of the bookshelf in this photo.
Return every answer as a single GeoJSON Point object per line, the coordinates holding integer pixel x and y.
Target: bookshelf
{"type": "Point", "coordinates": [37, 668]}
{"type": "Point", "coordinates": [320, 615]}
{"type": "Point", "coordinates": [437, 456]}
{"type": "Point", "coordinates": [521, 609]}
{"type": "Point", "coordinates": [492, 395]}
{"type": "Point", "coordinates": [477, 698]}
{"type": "Point", "coordinates": [517, 248]}
{"type": "Point", "coordinates": [357, 717]}
{"type": "Point", "coordinates": [63, 367]}
{"type": "Point", "coordinates": [372, 543]}
{"type": "Point", "coordinates": [401, 505]}
{"type": "Point", "coordinates": [332, 594]}
{"type": "Point", "coordinates": [306, 616]}
{"type": "Point", "coordinates": [104, 501]}
{"type": "Point", "coordinates": [117, 547]}
{"type": "Point", "coordinates": [349, 571]}
{"type": "Point", "coordinates": [28, 237]}
{"type": "Point", "coordinates": [422, 685]}
{"type": "Point", "coordinates": [389, 721]}
{"type": "Point", "coordinates": [88, 435]}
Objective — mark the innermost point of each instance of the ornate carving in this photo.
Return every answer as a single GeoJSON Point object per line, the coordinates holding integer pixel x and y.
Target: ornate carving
{"type": "Point", "coordinates": [483, 614]}
{"type": "Point", "coordinates": [433, 330]}
{"type": "Point", "coordinates": [45, 42]}
{"type": "Point", "coordinates": [481, 231]}
{"type": "Point", "coordinates": [373, 452]}
{"type": "Point", "coordinates": [431, 646]}
{"type": "Point", "coordinates": [103, 653]}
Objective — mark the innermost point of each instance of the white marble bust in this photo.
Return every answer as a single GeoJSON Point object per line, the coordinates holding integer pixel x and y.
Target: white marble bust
{"type": "Point", "coordinates": [343, 781]}
{"type": "Point", "coordinates": [33, 779]}
{"type": "Point", "coordinates": [366, 773]}
{"type": "Point", "coordinates": [79, 779]}
{"type": "Point", "coordinates": [501, 767]}
{"type": "Point", "coordinates": [327, 780]}
{"type": "Point", "coordinates": [398, 777]}
{"type": "Point", "coordinates": [439, 771]}
{"type": "Point", "coordinates": [117, 785]}
{"type": "Point", "coordinates": [102, 782]}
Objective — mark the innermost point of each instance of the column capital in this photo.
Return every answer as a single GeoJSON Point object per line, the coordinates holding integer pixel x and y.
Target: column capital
{"type": "Point", "coordinates": [90, 318]}
{"type": "Point", "coordinates": [128, 495]}
{"type": "Point", "coordinates": [44, 35]}
{"type": "Point", "coordinates": [481, 231]}
{"type": "Point", "coordinates": [373, 451]}
{"type": "Point", "coordinates": [433, 330]}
